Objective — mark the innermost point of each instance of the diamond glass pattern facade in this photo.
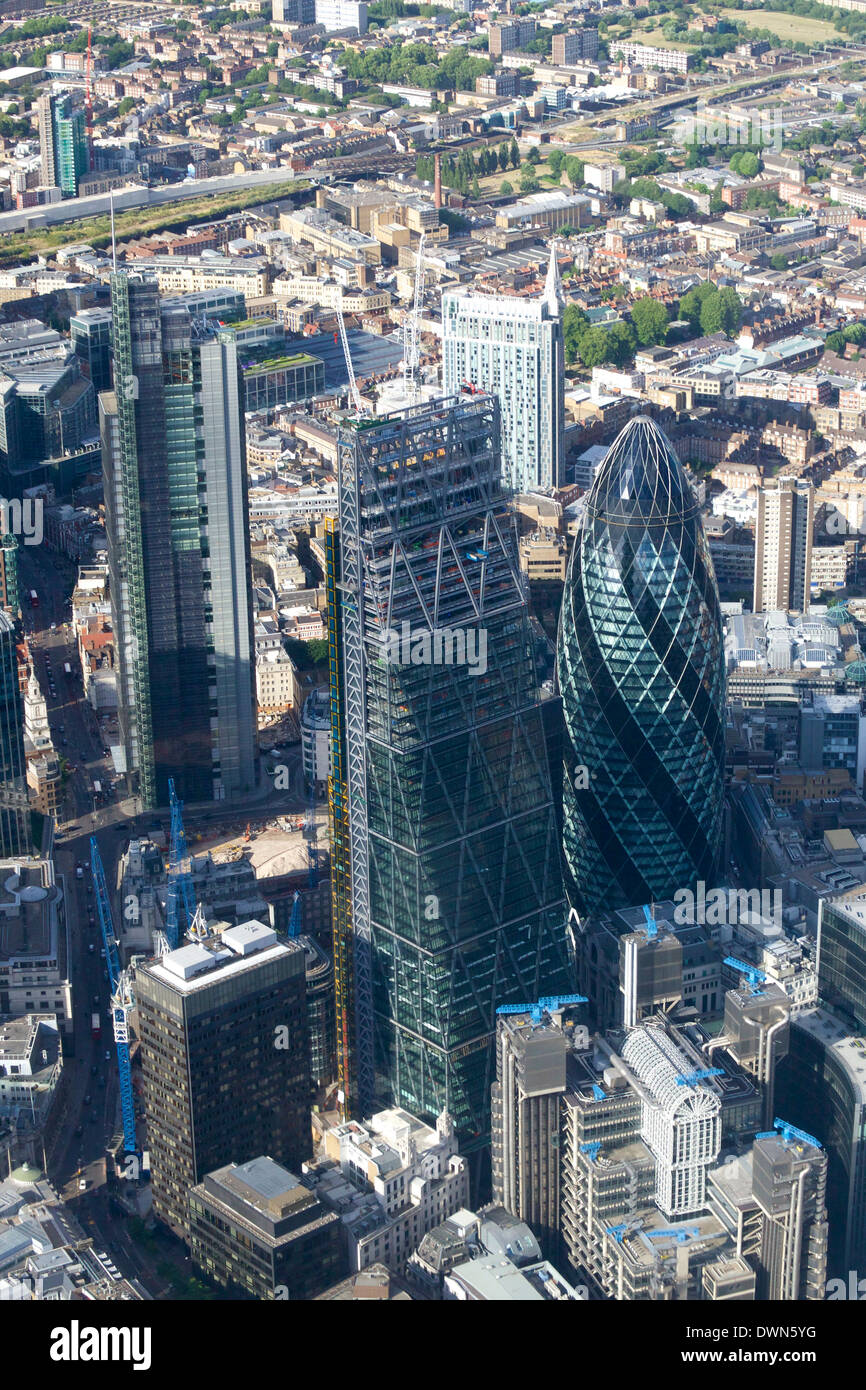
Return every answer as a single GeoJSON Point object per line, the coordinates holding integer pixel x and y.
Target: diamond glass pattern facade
{"type": "Point", "coordinates": [457, 903]}
{"type": "Point", "coordinates": [641, 672]}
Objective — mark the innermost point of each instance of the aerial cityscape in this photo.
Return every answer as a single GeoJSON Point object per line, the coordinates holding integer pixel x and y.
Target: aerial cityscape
{"type": "Point", "coordinates": [432, 658]}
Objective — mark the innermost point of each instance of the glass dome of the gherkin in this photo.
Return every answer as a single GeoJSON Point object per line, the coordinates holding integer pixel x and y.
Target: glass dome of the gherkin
{"type": "Point", "coordinates": [641, 479]}
{"type": "Point", "coordinates": [640, 663]}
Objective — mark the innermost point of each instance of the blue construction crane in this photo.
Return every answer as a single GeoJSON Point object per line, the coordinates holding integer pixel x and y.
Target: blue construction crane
{"type": "Point", "coordinates": [684, 1233]}
{"type": "Point", "coordinates": [121, 998]}
{"type": "Point", "coordinates": [790, 1134]}
{"type": "Point", "coordinates": [752, 975]}
{"type": "Point", "coordinates": [477, 555]}
{"type": "Point", "coordinates": [598, 1093]}
{"type": "Point", "coordinates": [652, 926]}
{"type": "Point", "coordinates": [688, 1078]}
{"type": "Point", "coordinates": [593, 1149]}
{"type": "Point", "coordinates": [295, 921]}
{"type": "Point", "coordinates": [180, 894]}
{"type": "Point", "coordinates": [548, 1005]}
{"type": "Point", "coordinates": [617, 1232]}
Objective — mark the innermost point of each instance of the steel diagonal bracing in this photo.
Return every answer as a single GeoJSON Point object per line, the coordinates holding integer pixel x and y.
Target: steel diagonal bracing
{"type": "Point", "coordinates": [356, 765]}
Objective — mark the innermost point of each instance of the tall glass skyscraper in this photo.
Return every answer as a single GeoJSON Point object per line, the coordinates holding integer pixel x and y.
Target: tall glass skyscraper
{"type": "Point", "coordinates": [174, 472]}
{"type": "Point", "coordinates": [15, 832]}
{"type": "Point", "coordinates": [642, 677]}
{"type": "Point", "coordinates": [448, 887]}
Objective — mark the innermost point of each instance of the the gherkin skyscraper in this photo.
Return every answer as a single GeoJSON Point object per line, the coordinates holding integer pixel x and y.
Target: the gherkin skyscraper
{"type": "Point", "coordinates": [642, 677]}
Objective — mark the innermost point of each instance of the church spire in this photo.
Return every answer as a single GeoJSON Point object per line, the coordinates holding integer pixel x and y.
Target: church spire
{"type": "Point", "coordinates": [553, 295]}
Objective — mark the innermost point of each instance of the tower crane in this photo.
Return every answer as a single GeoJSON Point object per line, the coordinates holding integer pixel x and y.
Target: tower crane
{"type": "Point", "coordinates": [353, 385]}
{"type": "Point", "coordinates": [791, 1134]}
{"type": "Point", "coordinates": [652, 926]}
{"type": "Point", "coordinates": [551, 1004]}
{"type": "Point", "coordinates": [412, 328]}
{"type": "Point", "coordinates": [751, 974]}
{"type": "Point", "coordinates": [180, 895]}
{"type": "Point", "coordinates": [683, 1234]}
{"type": "Point", "coordinates": [689, 1078]}
{"type": "Point", "coordinates": [122, 999]}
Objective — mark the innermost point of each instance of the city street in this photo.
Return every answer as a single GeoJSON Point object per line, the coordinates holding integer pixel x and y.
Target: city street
{"type": "Point", "coordinates": [90, 1115]}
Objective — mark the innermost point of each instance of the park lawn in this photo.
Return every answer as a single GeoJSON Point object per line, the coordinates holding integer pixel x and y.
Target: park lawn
{"type": "Point", "coordinates": [653, 35]}
{"type": "Point", "coordinates": [793, 28]}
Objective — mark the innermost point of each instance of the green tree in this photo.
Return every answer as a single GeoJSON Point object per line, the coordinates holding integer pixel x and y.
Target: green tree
{"type": "Point", "coordinates": [690, 304]}
{"type": "Point", "coordinates": [650, 319]}
{"type": "Point", "coordinates": [621, 343]}
{"type": "Point", "coordinates": [504, 156]}
{"type": "Point", "coordinates": [528, 180]}
{"type": "Point", "coordinates": [127, 104]}
{"type": "Point", "coordinates": [514, 154]}
{"type": "Point", "coordinates": [574, 325]}
{"type": "Point", "coordinates": [505, 188]}
{"type": "Point", "coordinates": [533, 157]}
{"type": "Point", "coordinates": [732, 311]}
{"type": "Point", "coordinates": [593, 347]}
{"type": "Point", "coordinates": [712, 315]}
{"type": "Point", "coordinates": [574, 170]}
{"type": "Point", "coordinates": [555, 160]}
{"type": "Point", "coordinates": [476, 188]}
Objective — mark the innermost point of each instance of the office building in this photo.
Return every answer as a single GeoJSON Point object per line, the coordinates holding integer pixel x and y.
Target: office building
{"type": "Point", "coordinates": [321, 1015]}
{"type": "Point", "coordinates": [789, 1180]}
{"type": "Point", "coordinates": [513, 348]}
{"type": "Point", "coordinates": [841, 955]}
{"type": "Point", "coordinates": [90, 335]}
{"type": "Point", "coordinates": [281, 379]}
{"type": "Point", "coordinates": [820, 1087]}
{"type": "Point", "coordinates": [175, 484]}
{"type": "Point", "coordinates": [225, 1059]}
{"type": "Point", "coordinates": [680, 1122]}
{"type": "Point", "coordinates": [338, 15]}
{"type": "Point", "coordinates": [447, 890]}
{"type": "Point", "coordinates": [833, 735]}
{"type": "Point", "coordinates": [392, 1179]}
{"type": "Point", "coordinates": [10, 595]}
{"type": "Point", "coordinates": [256, 1230]}
{"type": "Point", "coordinates": [530, 1079]}
{"type": "Point", "coordinates": [783, 546]}
{"type": "Point", "coordinates": [15, 832]}
{"type": "Point", "coordinates": [34, 964]}
{"type": "Point", "coordinates": [62, 142]}
{"type": "Point", "coordinates": [575, 48]}
{"type": "Point", "coordinates": [642, 677]}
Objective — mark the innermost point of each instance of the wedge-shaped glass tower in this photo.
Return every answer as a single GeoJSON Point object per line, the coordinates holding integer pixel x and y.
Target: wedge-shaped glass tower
{"type": "Point", "coordinates": [441, 800]}
{"type": "Point", "coordinates": [642, 678]}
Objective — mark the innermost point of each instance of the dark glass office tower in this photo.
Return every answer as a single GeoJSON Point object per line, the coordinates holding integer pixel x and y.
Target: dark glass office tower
{"type": "Point", "coordinates": [15, 836]}
{"type": "Point", "coordinates": [225, 1059]}
{"type": "Point", "coordinates": [176, 515]}
{"type": "Point", "coordinates": [442, 800]}
{"type": "Point", "coordinates": [642, 677]}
